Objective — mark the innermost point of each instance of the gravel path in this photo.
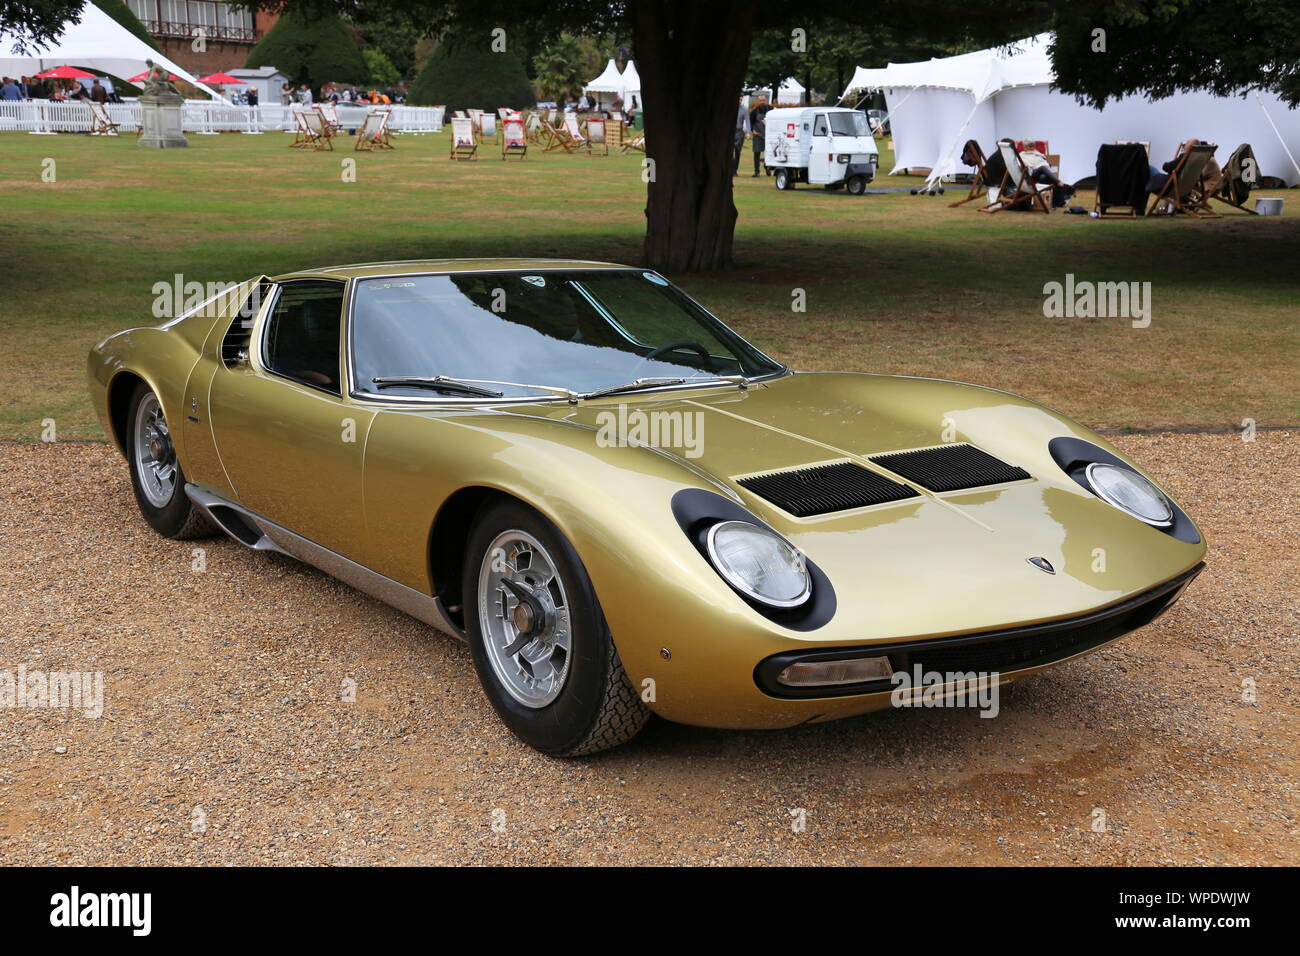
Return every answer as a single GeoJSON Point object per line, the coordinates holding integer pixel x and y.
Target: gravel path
{"type": "Point", "coordinates": [224, 738]}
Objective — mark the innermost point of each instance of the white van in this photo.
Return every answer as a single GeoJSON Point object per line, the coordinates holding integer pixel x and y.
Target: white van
{"type": "Point", "coordinates": [829, 146]}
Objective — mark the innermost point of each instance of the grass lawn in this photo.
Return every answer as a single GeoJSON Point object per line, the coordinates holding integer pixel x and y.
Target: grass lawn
{"type": "Point", "coordinates": [893, 283]}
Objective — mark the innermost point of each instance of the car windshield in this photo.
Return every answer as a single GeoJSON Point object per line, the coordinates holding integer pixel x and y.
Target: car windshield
{"type": "Point", "coordinates": [849, 124]}
{"type": "Point", "coordinates": [580, 330]}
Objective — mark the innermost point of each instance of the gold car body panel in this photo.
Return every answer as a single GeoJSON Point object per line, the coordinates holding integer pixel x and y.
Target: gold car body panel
{"type": "Point", "coordinates": [934, 565]}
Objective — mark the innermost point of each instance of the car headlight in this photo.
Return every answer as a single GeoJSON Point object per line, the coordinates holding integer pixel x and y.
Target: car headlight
{"type": "Point", "coordinates": [842, 158]}
{"type": "Point", "coordinates": [1131, 493]}
{"type": "Point", "coordinates": [759, 563]}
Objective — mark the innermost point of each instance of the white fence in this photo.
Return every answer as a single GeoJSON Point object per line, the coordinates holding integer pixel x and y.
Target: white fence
{"type": "Point", "coordinates": [201, 117]}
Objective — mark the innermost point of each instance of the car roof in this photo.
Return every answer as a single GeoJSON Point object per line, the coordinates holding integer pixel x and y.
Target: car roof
{"type": "Point", "coordinates": [365, 270]}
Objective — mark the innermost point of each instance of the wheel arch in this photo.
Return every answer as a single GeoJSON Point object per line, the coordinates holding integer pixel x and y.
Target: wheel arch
{"type": "Point", "coordinates": [120, 389]}
{"type": "Point", "coordinates": [449, 538]}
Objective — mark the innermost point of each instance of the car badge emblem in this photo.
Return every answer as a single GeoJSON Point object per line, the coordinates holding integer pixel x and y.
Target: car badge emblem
{"type": "Point", "coordinates": [1042, 564]}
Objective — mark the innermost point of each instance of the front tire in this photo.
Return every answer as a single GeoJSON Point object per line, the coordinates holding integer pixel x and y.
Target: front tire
{"type": "Point", "coordinates": [156, 474]}
{"type": "Point", "coordinates": [539, 640]}
{"type": "Point", "coordinates": [857, 185]}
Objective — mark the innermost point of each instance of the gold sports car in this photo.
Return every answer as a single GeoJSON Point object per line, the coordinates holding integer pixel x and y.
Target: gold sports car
{"type": "Point", "coordinates": [623, 506]}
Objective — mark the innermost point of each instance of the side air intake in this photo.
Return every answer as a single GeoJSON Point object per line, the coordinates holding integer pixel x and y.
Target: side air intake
{"type": "Point", "coordinates": [822, 489]}
{"type": "Point", "coordinates": [950, 467]}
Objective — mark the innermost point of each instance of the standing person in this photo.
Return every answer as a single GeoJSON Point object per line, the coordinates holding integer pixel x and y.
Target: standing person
{"type": "Point", "coordinates": [758, 125]}
{"type": "Point", "coordinates": [304, 95]}
{"type": "Point", "coordinates": [9, 91]}
{"type": "Point", "coordinates": [286, 94]}
{"type": "Point", "coordinates": [98, 93]}
{"type": "Point", "coordinates": [742, 127]}
{"type": "Point", "coordinates": [252, 96]}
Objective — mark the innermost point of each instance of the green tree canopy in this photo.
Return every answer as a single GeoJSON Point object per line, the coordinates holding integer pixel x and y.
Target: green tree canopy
{"type": "Point", "coordinates": [311, 51]}
{"type": "Point", "coordinates": [465, 73]}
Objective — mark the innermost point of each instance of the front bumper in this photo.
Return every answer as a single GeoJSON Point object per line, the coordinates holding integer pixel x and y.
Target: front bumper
{"type": "Point", "coordinates": [1001, 652]}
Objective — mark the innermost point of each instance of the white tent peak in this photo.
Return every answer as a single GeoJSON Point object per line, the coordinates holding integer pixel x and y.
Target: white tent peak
{"type": "Point", "coordinates": [95, 41]}
{"type": "Point", "coordinates": [608, 82]}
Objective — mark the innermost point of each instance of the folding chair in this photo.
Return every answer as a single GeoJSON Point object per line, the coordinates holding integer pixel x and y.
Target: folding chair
{"type": "Point", "coordinates": [318, 128]}
{"type": "Point", "coordinates": [1240, 173]}
{"type": "Point", "coordinates": [100, 122]}
{"type": "Point", "coordinates": [555, 138]}
{"type": "Point", "coordinates": [637, 143]}
{"type": "Point", "coordinates": [596, 137]}
{"type": "Point", "coordinates": [1017, 189]}
{"type": "Point", "coordinates": [533, 126]}
{"type": "Point", "coordinates": [385, 139]}
{"type": "Point", "coordinates": [368, 136]}
{"type": "Point", "coordinates": [476, 116]}
{"type": "Point", "coordinates": [1182, 191]}
{"type": "Point", "coordinates": [330, 113]}
{"type": "Point", "coordinates": [986, 176]}
{"type": "Point", "coordinates": [577, 140]}
{"type": "Point", "coordinates": [464, 144]}
{"type": "Point", "coordinates": [309, 131]}
{"type": "Point", "coordinates": [487, 127]}
{"type": "Point", "coordinates": [514, 141]}
{"type": "Point", "coordinates": [1121, 180]}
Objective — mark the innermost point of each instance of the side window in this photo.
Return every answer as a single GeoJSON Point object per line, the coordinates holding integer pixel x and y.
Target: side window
{"type": "Point", "coordinates": [302, 333]}
{"type": "Point", "coordinates": [819, 127]}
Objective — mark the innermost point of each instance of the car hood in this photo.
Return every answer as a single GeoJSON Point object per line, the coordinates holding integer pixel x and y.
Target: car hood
{"type": "Point", "coordinates": [970, 549]}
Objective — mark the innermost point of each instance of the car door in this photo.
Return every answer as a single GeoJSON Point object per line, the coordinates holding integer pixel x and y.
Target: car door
{"type": "Point", "coordinates": [290, 442]}
{"type": "Point", "coordinates": [821, 161]}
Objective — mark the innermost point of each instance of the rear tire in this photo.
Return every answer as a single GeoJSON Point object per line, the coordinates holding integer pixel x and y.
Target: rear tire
{"type": "Point", "coordinates": [784, 180]}
{"type": "Point", "coordinates": [156, 474]}
{"type": "Point", "coordinates": [564, 692]}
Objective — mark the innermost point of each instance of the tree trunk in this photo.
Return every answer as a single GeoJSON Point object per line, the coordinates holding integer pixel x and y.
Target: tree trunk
{"type": "Point", "coordinates": [692, 58]}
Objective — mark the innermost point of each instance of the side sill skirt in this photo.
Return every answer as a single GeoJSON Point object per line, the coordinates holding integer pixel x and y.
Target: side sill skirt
{"type": "Point", "coordinates": [260, 534]}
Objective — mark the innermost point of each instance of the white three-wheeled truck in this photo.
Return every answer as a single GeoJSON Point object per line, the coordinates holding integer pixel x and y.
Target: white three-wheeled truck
{"type": "Point", "coordinates": [827, 146]}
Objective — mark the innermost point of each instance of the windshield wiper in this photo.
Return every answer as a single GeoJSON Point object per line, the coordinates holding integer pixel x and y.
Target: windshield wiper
{"type": "Point", "coordinates": [641, 383]}
{"type": "Point", "coordinates": [440, 383]}
{"type": "Point", "coordinates": [636, 386]}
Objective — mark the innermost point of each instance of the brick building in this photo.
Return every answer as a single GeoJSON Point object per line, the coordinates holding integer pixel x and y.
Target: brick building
{"type": "Point", "coordinates": [227, 34]}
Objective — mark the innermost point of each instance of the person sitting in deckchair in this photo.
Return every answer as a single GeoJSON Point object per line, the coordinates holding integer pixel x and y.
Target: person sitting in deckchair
{"type": "Point", "coordinates": [1040, 171]}
{"type": "Point", "coordinates": [1211, 179]}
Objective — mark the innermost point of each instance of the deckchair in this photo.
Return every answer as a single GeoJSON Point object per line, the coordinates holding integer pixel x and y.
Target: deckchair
{"type": "Point", "coordinates": [370, 135]}
{"type": "Point", "coordinates": [487, 127]}
{"type": "Point", "coordinates": [1240, 174]}
{"type": "Point", "coordinates": [100, 122]}
{"type": "Point", "coordinates": [464, 145]}
{"type": "Point", "coordinates": [555, 138]}
{"type": "Point", "coordinates": [320, 131]}
{"type": "Point", "coordinates": [577, 139]}
{"type": "Point", "coordinates": [330, 113]}
{"type": "Point", "coordinates": [1181, 191]}
{"type": "Point", "coordinates": [477, 117]}
{"type": "Point", "coordinates": [985, 177]}
{"type": "Point", "coordinates": [1121, 180]}
{"type": "Point", "coordinates": [514, 141]}
{"type": "Point", "coordinates": [637, 142]}
{"type": "Point", "coordinates": [596, 139]}
{"type": "Point", "coordinates": [1017, 189]}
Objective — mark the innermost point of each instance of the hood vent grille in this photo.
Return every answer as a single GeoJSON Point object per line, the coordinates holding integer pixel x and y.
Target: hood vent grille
{"type": "Point", "coordinates": [950, 467]}
{"type": "Point", "coordinates": [822, 489]}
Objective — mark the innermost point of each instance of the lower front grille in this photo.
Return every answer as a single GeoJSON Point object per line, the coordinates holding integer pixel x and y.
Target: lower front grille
{"type": "Point", "coordinates": [1002, 652]}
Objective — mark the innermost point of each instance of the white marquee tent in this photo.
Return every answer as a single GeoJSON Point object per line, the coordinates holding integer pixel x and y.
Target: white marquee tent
{"type": "Point", "coordinates": [626, 86]}
{"type": "Point", "coordinates": [936, 105]}
{"type": "Point", "coordinates": [97, 42]}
